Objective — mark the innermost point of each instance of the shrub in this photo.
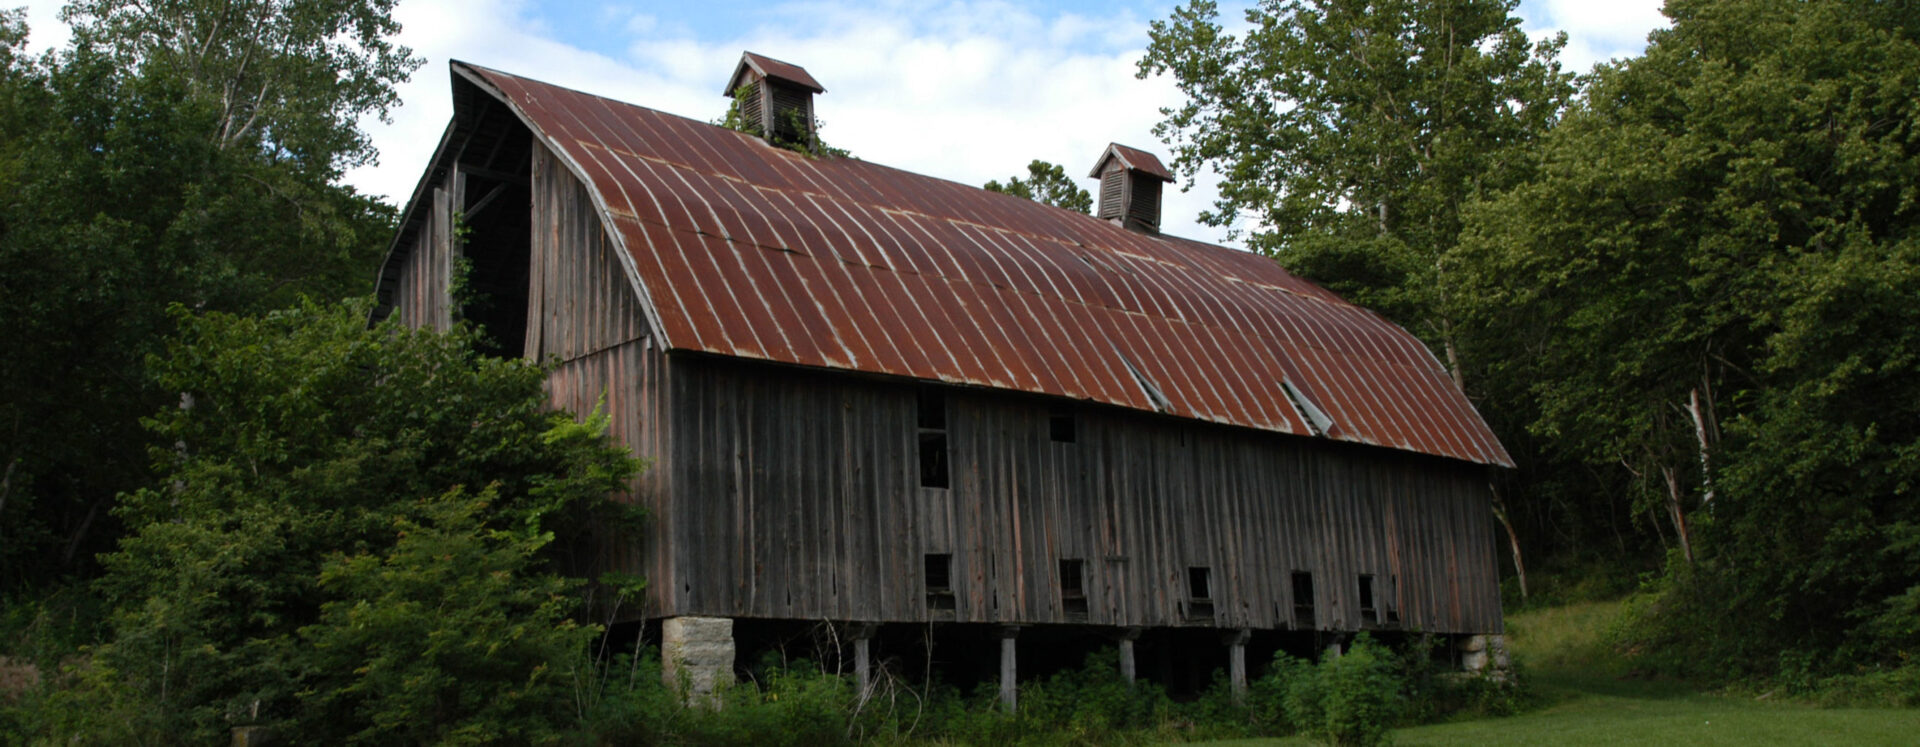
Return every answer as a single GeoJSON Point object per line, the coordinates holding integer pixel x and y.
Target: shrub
{"type": "Point", "coordinates": [1091, 705]}
{"type": "Point", "coordinates": [1888, 688]}
{"type": "Point", "coordinates": [1350, 700]}
{"type": "Point", "coordinates": [1267, 709]}
{"type": "Point", "coordinates": [355, 533]}
{"type": "Point", "coordinates": [1433, 690]}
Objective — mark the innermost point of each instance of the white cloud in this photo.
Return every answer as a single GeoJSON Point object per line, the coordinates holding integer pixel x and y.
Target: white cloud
{"type": "Point", "coordinates": [44, 29]}
{"type": "Point", "coordinates": [969, 90]}
{"type": "Point", "coordinates": [1615, 22]}
{"type": "Point", "coordinates": [1596, 31]}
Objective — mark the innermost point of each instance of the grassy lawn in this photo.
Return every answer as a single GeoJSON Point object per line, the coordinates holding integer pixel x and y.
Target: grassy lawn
{"type": "Point", "coordinates": [1587, 701]}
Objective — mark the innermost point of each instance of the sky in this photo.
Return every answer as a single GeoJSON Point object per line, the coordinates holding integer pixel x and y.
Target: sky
{"type": "Point", "coordinates": [967, 90]}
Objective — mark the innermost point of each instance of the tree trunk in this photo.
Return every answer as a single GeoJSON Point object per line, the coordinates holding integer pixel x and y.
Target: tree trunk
{"type": "Point", "coordinates": [1453, 357]}
{"type": "Point", "coordinates": [1675, 512]}
{"type": "Point", "coordinates": [6, 485]}
{"type": "Point", "coordinates": [1513, 538]}
{"type": "Point", "coordinates": [1700, 418]}
{"type": "Point", "coordinates": [80, 535]}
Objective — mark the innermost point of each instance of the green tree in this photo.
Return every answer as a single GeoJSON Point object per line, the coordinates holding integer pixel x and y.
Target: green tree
{"type": "Point", "coordinates": [1709, 288]}
{"type": "Point", "coordinates": [355, 533]}
{"type": "Point", "coordinates": [1349, 132]}
{"type": "Point", "coordinates": [177, 152]}
{"type": "Point", "coordinates": [288, 79]}
{"type": "Point", "coordinates": [1046, 183]}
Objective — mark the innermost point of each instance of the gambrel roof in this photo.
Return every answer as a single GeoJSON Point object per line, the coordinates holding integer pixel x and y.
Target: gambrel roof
{"type": "Point", "coordinates": [739, 248]}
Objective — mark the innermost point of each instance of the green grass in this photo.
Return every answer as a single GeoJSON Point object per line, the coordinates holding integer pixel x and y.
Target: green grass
{"type": "Point", "coordinates": [1586, 697]}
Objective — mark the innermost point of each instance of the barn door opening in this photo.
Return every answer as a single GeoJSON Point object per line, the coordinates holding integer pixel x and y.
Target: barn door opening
{"type": "Point", "coordinates": [493, 224]}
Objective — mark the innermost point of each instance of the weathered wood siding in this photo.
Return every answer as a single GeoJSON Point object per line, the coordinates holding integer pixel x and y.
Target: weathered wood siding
{"type": "Point", "coordinates": [780, 492]}
{"type": "Point", "coordinates": [422, 299]}
{"type": "Point", "coordinates": [583, 313]}
{"type": "Point", "coordinates": [581, 300]}
{"type": "Point", "coordinates": [796, 495]}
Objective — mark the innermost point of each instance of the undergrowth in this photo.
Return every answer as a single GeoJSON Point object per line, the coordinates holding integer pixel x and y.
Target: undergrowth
{"type": "Point", "coordinates": [1612, 646]}
{"type": "Point", "coordinates": [1350, 699]}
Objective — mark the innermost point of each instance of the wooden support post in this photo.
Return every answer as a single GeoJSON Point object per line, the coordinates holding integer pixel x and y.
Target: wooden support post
{"type": "Point", "coordinates": [862, 675]}
{"type": "Point", "coordinates": [1237, 663]}
{"type": "Point", "coordinates": [1009, 669]}
{"type": "Point", "coordinates": [862, 635]}
{"type": "Point", "coordinates": [1126, 637]}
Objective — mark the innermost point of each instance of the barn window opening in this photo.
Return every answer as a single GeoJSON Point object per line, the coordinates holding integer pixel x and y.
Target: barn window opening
{"type": "Point", "coordinates": [933, 409]}
{"type": "Point", "coordinates": [1060, 424]}
{"type": "Point", "coordinates": [1302, 599]}
{"type": "Point", "coordinates": [1199, 592]}
{"type": "Point", "coordinates": [1393, 615]}
{"type": "Point", "coordinates": [1199, 584]}
{"type": "Point", "coordinates": [1369, 611]}
{"type": "Point", "coordinates": [1073, 589]}
{"type": "Point", "coordinates": [939, 578]}
{"type": "Point", "coordinates": [933, 438]}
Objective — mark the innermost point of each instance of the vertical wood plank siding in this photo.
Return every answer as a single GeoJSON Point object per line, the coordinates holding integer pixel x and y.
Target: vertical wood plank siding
{"type": "Point", "coordinates": [584, 317]}
{"type": "Point", "coordinates": [580, 300]}
{"type": "Point", "coordinates": [425, 278]}
{"type": "Point", "coordinates": [796, 496]}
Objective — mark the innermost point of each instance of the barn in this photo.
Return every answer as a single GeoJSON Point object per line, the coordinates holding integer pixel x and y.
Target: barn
{"type": "Point", "coordinates": [902, 406]}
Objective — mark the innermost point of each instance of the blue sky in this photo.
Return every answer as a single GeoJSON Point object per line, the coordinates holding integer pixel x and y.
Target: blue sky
{"type": "Point", "coordinates": [602, 26]}
{"type": "Point", "coordinates": [1603, 28]}
{"type": "Point", "coordinates": [968, 90]}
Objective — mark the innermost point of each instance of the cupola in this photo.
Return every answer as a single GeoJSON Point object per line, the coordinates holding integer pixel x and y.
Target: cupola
{"type": "Point", "coordinates": [1130, 181]}
{"type": "Point", "coordinates": [775, 99]}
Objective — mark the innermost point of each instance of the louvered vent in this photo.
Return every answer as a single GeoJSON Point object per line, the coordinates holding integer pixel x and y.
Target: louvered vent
{"type": "Point", "coordinates": [1113, 188]}
{"type": "Point", "coordinates": [1145, 203]}
{"type": "Point", "coordinates": [751, 111]}
{"type": "Point", "coordinates": [1130, 181]}
{"type": "Point", "coordinates": [792, 114]}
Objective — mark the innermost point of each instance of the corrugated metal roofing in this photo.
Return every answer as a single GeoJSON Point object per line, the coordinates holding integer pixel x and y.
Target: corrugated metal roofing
{"type": "Point", "coordinates": [742, 249]}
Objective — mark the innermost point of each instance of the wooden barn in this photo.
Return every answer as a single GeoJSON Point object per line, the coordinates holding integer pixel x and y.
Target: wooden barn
{"type": "Point", "coordinates": [886, 401]}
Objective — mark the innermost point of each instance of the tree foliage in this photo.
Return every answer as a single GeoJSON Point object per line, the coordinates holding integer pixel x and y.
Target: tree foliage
{"type": "Point", "coordinates": [177, 152]}
{"type": "Point", "coordinates": [289, 78]}
{"type": "Point", "coordinates": [1709, 287]}
{"type": "Point", "coordinates": [355, 534]}
{"type": "Point", "coordinates": [1347, 133]}
{"type": "Point", "coordinates": [1048, 184]}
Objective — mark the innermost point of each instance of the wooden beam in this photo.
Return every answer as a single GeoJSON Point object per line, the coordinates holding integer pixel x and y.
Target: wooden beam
{"type": "Point", "coordinates": [492, 174]}
{"type": "Point", "coordinates": [483, 201]}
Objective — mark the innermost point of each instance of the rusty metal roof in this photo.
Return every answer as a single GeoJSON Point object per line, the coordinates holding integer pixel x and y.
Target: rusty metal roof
{"type": "Point", "coordinates": [1132, 158]}
{"type": "Point", "coordinates": [743, 249]}
{"type": "Point", "coordinates": [771, 68]}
